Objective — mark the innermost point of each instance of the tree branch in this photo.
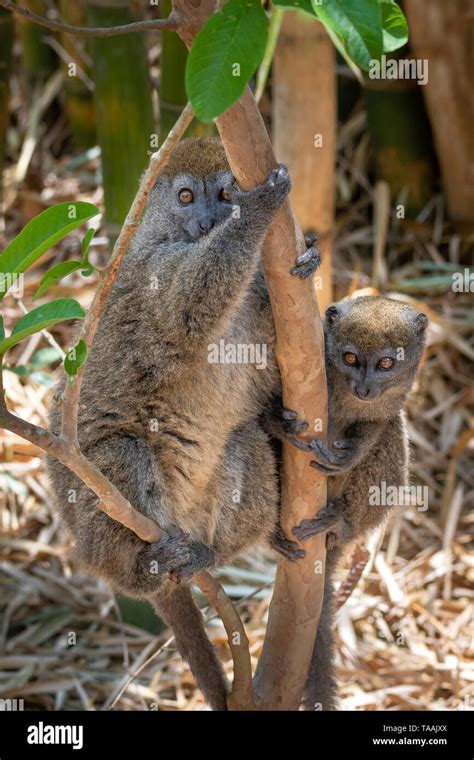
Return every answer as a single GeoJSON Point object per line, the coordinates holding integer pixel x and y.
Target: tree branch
{"type": "Point", "coordinates": [151, 25]}
{"type": "Point", "coordinates": [297, 598]}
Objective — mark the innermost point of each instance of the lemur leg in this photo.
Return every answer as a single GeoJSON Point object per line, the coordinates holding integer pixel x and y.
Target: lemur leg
{"type": "Point", "coordinates": [178, 610]}
{"type": "Point", "coordinates": [331, 519]}
{"type": "Point", "coordinates": [320, 690]}
{"type": "Point", "coordinates": [104, 545]}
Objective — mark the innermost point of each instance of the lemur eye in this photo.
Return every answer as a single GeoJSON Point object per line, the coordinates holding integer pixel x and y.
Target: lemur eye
{"type": "Point", "coordinates": [225, 196]}
{"type": "Point", "coordinates": [350, 359]}
{"type": "Point", "coordinates": [185, 196]}
{"type": "Point", "coordinates": [386, 363]}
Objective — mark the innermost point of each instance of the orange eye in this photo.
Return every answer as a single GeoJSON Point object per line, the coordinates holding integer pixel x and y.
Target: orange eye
{"type": "Point", "coordinates": [386, 363]}
{"type": "Point", "coordinates": [185, 196]}
{"type": "Point", "coordinates": [225, 196]}
{"type": "Point", "coordinates": [350, 359]}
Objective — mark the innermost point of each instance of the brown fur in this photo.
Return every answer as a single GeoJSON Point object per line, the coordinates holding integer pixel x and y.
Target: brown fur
{"type": "Point", "coordinates": [201, 156]}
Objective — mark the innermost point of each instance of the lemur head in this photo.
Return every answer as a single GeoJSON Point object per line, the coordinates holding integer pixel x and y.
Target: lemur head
{"type": "Point", "coordinates": [374, 346]}
{"type": "Point", "coordinates": [189, 197]}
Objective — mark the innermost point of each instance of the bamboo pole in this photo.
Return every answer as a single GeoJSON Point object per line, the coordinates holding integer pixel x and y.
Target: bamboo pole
{"type": "Point", "coordinates": [124, 112]}
{"type": "Point", "coordinates": [79, 90]}
{"type": "Point", "coordinates": [401, 140]}
{"type": "Point", "coordinates": [6, 46]}
{"type": "Point", "coordinates": [37, 57]}
{"type": "Point", "coordinates": [172, 95]}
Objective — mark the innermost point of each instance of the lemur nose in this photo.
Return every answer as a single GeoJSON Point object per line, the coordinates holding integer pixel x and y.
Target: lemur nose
{"type": "Point", "coordinates": [206, 225]}
{"type": "Point", "coordinates": [362, 393]}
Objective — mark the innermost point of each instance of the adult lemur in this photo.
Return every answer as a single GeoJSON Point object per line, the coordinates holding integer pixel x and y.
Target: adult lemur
{"type": "Point", "coordinates": [175, 432]}
{"type": "Point", "coordinates": [373, 349]}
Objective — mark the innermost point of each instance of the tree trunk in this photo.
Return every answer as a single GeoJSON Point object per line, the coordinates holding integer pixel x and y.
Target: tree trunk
{"type": "Point", "coordinates": [297, 597]}
{"type": "Point", "coordinates": [305, 128]}
{"type": "Point", "coordinates": [124, 112]}
{"type": "Point", "coordinates": [441, 32]}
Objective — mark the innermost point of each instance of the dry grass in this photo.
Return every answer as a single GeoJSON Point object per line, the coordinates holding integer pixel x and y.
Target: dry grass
{"type": "Point", "coordinates": [405, 636]}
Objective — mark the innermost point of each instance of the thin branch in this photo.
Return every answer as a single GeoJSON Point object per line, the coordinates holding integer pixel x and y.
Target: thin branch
{"type": "Point", "coordinates": [242, 690]}
{"type": "Point", "coordinates": [111, 500]}
{"type": "Point", "coordinates": [70, 401]}
{"type": "Point", "coordinates": [169, 23]}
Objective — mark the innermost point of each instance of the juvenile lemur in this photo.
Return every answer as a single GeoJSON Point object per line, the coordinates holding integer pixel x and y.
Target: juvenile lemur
{"type": "Point", "coordinates": [373, 347]}
{"type": "Point", "coordinates": [177, 434]}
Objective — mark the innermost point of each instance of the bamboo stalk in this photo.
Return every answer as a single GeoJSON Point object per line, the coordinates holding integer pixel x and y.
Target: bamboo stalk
{"type": "Point", "coordinates": [124, 112]}
{"type": "Point", "coordinates": [79, 97]}
{"type": "Point", "coordinates": [172, 96]}
{"type": "Point", "coordinates": [401, 140]}
{"type": "Point", "coordinates": [6, 46]}
{"type": "Point", "coordinates": [37, 57]}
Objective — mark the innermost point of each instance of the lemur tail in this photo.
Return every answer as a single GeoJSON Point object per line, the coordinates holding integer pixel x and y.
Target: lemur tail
{"type": "Point", "coordinates": [179, 611]}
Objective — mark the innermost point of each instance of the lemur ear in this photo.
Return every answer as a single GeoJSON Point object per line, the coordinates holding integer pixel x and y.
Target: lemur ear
{"type": "Point", "coordinates": [420, 323]}
{"type": "Point", "coordinates": [332, 313]}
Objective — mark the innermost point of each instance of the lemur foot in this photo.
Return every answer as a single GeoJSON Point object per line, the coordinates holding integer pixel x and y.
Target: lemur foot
{"type": "Point", "coordinates": [287, 426]}
{"type": "Point", "coordinates": [284, 546]}
{"type": "Point", "coordinates": [308, 263]}
{"type": "Point", "coordinates": [282, 423]}
{"type": "Point", "coordinates": [328, 521]}
{"type": "Point", "coordinates": [176, 555]}
{"type": "Point", "coordinates": [329, 461]}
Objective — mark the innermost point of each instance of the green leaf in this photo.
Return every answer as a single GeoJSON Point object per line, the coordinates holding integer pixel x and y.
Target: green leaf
{"type": "Point", "coordinates": [296, 5]}
{"type": "Point", "coordinates": [2, 328]}
{"type": "Point", "coordinates": [42, 317]}
{"type": "Point", "coordinates": [86, 241]}
{"type": "Point", "coordinates": [55, 274]}
{"type": "Point", "coordinates": [394, 26]}
{"type": "Point", "coordinates": [44, 231]}
{"type": "Point", "coordinates": [358, 24]}
{"type": "Point", "coordinates": [224, 56]}
{"type": "Point", "coordinates": [75, 358]}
